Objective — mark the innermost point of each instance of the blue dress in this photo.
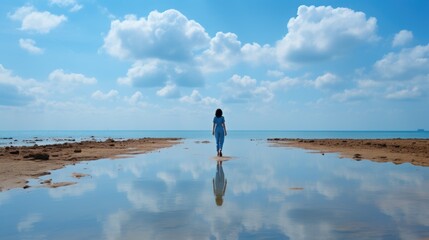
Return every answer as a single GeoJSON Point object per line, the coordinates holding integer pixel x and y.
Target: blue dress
{"type": "Point", "coordinates": [219, 132]}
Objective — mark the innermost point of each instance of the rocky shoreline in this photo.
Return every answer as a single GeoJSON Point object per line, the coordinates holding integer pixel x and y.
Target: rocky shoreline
{"type": "Point", "coordinates": [398, 151]}
{"type": "Point", "coordinates": [20, 163]}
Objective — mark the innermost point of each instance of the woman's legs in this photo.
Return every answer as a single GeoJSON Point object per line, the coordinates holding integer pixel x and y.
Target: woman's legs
{"type": "Point", "coordinates": [220, 137]}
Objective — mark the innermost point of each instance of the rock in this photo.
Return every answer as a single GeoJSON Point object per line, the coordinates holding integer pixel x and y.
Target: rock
{"type": "Point", "coordinates": [14, 152]}
{"type": "Point", "coordinates": [78, 150]}
{"type": "Point", "coordinates": [48, 181]}
{"type": "Point", "coordinates": [39, 156]}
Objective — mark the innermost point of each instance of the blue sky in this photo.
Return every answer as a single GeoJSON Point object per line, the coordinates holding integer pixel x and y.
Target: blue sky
{"type": "Point", "coordinates": [277, 65]}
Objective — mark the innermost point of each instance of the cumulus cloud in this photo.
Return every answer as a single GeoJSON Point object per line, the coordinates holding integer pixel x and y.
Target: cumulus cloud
{"type": "Point", "coordinates": [325, 80]}
{"type": "Point", "coordinates": [15, 91]}
{"type": "Point", "coordinates": [169, 91]}
{"type": "Point", "coordinates": [323, 32]}
{"type": "Point", "coordinates": [99, 95]}
{"type": "Point", "coordinates": [168, 35]}
{"type": "Point", "coordinates": [33, 20]}
{"type": "Point", "coordinates": [408, 63]}
{"type": "Point", "coordinates": [157, 73]}
{"type": "Point", "coordinates": [60, 76]}
{"type": "Point", "coordinates": [244, 88]}
{"type": "Point", "coordinates": [136, 99]}
{"type": "Point", "coordinates": [30, 46]}
{"type": "Point", "coordinates": [401, 38]}
{"type": "Point", "coordinates": [224, 52]}
{"type": "Point", "coordinates": [72, 4]}
{"type": "Point", "coordinates": [196, 98]}
{"type": "Point", "coordinates": [257, 54]}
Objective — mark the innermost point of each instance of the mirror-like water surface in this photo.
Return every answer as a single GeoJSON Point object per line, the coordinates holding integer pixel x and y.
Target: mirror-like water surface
{"type": "Point", "coordinates": [269, 193]}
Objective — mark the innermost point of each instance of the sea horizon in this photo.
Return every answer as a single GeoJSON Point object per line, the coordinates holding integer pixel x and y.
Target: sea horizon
{"type": "Point", "coordinates": [41, 137]}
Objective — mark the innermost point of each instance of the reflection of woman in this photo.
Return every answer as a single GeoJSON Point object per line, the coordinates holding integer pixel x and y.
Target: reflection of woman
{"type": "Point", "coordinates": [219, 184]}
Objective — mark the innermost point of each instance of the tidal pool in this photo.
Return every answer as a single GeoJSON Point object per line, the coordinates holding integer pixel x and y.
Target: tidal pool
{"type": "Point", "coordinates": [271, 193]}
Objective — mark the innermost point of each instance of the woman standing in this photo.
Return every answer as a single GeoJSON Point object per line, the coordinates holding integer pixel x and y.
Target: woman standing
{"type": "Point", "coordinates": [219, 130]}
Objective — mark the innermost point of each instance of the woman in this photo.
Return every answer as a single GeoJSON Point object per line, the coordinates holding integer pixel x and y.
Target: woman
{"type": "Point", "coordinates": [219, 130]}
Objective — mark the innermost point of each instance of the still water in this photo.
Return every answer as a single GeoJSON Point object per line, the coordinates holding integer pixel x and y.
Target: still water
{"type": "Point", "coordinates": [270, 193]}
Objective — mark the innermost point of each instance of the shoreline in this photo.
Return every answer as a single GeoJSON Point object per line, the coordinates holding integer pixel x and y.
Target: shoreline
{"type": "Point", "coordinates": [397, 151]}
{"type": "Point", "coordinates": [20, 163]}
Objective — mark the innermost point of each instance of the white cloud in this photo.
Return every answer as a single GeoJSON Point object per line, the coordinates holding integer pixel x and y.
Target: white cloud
{"type": "Point", "coordinates": [257, 54]}
{"type": "Point", "coordinates": [406, 64]}
{"type": "Point", "coordinates": [401, 38]}
{"type": "Point", "coordinates": [352, 95]}
{"type": "Point", "coordinates": [137, 99]}
{"type": "Point", "coordinates": [59, 76]}
{"type": "Point", "coordinates": [283, 83]}
{"type": "Point", "coordinates": [99, 95]}
{"type": "Point", "coordinates": [33, 20]}
{"type": "Point", "coordinates": [196, 98]}
{"type": "Point", "coordinates": [14, 90]}
{"type": "Point", "coordinates": [74, 6]}
{"type": "Point", "coordinates": [409, 93]}
{"type": "Point", "coordinates": [223, 53]}
{"type": "Point", "coordinates": [157, 73]}
{"type": "Point", "coordinates": [244, 88]}
{"type": "Point", "coordinates": [30, 46]}
{"type": "Point", "coordinates": [170, 91]}
{"type": "Point", "coordinates": [168, 35]}
{"type": "Point", "coordinates": [323, 32]}
{"type": "Point", "coordinates": [244, 81]}
{"type": "Point", "coordinates": [325, 80]}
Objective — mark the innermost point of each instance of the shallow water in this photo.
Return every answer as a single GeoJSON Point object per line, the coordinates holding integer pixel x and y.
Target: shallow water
{"type": "Point", "coordinates": [271, 193]}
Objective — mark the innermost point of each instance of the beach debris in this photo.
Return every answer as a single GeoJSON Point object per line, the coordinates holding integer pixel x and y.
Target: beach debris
{"type": "Point", "coordinates": [357, 156]}
{"type": "Point", "coordinates": [79, 175]}
{"type": "Point", "coordinates": [78, 150]}
{"type": "Point", "coordinates": [39, 174]}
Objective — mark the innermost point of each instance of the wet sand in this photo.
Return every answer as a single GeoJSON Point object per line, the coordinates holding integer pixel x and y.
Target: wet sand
{"type": "Point", "coordinates": [398, 151]}
{"type": "Point", "coordinates": [18, 164]}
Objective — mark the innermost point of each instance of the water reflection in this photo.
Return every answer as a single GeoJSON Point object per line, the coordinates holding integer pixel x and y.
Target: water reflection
{"type": "Point", "coordinates": [219, 184]}
{"type": "Point", "coordinates": [289, 194]}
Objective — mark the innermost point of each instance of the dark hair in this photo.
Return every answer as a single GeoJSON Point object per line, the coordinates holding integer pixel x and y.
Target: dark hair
{"type": "Point", "coordinates": [219, 112]}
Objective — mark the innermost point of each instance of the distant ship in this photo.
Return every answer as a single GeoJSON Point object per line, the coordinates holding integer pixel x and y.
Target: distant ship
{"type": "Point", "coordinates": [420, 130]}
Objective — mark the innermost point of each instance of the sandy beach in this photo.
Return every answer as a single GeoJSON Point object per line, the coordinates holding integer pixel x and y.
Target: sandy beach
{"type": "Point", "coordinates": [398, 151]}
{"type": "Point", "coordinates": [18, 164]}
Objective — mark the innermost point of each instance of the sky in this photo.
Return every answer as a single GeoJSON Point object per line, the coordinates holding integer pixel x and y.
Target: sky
{"type": "Point", "coordinates": [168, 65]}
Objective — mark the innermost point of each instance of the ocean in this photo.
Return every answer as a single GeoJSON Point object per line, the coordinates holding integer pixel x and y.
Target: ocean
{"type": "Point", "coordinates": [18, 138]}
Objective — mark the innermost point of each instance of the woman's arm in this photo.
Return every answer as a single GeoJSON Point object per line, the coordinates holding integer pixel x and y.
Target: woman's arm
{"type": "Point", "coordinates": [224, 128]}
{"type": "Point", "coordinates": [214, 125]}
